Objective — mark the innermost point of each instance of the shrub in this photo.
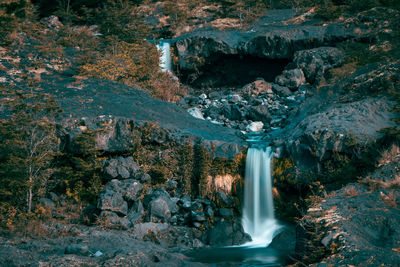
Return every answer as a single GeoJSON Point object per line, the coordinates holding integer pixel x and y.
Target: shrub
{"type": "Point", "coordinates": [159, 174]}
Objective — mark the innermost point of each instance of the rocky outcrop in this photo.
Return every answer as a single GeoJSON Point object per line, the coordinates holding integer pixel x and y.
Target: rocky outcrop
{"type": "Point", "coordinates": [270, 41]}
{"type": "Point", "coordinates": [333, 121]}
{"type": "Point", "coordinates": [357, 223]}
{"type": "Point", "coordinates": [316, 62]}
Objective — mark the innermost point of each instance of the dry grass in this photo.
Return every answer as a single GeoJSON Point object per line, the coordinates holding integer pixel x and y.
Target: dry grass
{"type": "Point", "coordinates": [389, 155]}
{"type": "Point", "coordinates": [225, 183]}
{"type": "Point", "coordinates": [351, 191]}
{"type": "Point", "coordinates": [389, 199]}
{"type": "Point", "coordinates": [376, 184]}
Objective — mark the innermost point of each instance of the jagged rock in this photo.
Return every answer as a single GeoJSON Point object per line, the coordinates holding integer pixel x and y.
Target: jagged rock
{"type": "Point", "coordinates": [281, 90]}
{"type": "Point", "coordinates": [227, 234]}
{"type": "Point", "coordinates": [161, 207]}
{"type": "Point", "coordinates": [235, 113]}
{"type": "Point", "coordinates": [273, 42]}
{"type": "Point", "coordinates": [198, 216]}
{"type": "Point", "coordinates": [234, 99]}
{"type": "Point", "coordinates": [196, 206]}
{"type": "Point", "coordinates": [225, 212]}
{"type": "Point", "coordinates": [315, 62]}
{"type": "Point", "coordinates": [112, 220]}
{"type": "Point", "coordinates": [131, 189]}
{"type": "Point", "coordinates": [77, 249]}
{"type": "Point", "coordinates": [223, 200]}
{"type": "Point", "coordinates": [133, 217]}
{"type": "Point", "coordinates": [257, 87]}
{"type": "Point", "coordinates": [121, 168]}
{"type": "Point", "coordinates": [291, 79]}
{"type": "Point", "coordinates": [186, 202]}
{"type": "Point", "coordinates": [111, 199]}
{"type": "Point", "coordinates": [259, 113]}
{"type": "Point", "coordinates": [196, 112]}
{"type": "Point", "coordinates": [255, 126]}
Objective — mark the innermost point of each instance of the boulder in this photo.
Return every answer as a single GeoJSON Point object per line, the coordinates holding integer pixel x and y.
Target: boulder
{"type": "Point", "coordinates": [315, 62]}
{"type": "Point", "coordinates": [255, 126]}
{"type": "Point", "coordinates": [223, 212]}
{"type": "Point", "coordinates": [259, 113]}
{"type": "Point", "coordinates": [282, 91]}
{"type": "Point", "coordinates": [111, 199]}
{"type": "Point", "coordinates": [121, 168]}
{"type": "Point", "coordinates": [223, 200]}
{"type": "Point", "coordinates": [112, 220]}
{"type": "Point", "coordinates": [161, 209]}
{"type": "Point", "coordinates": [227, 234]}
{"type": "Point", "coordinates": [257, 87]}
{"type": "Point", "coordinates": [195, 112]}
{"type": "Point", "coordinates": [291, 79]}
{"type": "Point", "coordinates": [131, 189]}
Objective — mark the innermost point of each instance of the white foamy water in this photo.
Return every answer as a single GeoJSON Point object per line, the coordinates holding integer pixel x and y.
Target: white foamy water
{"type": "Point", "coordinates": [165, 60]}
{"type": "Point", "coordinates": [258, 210]}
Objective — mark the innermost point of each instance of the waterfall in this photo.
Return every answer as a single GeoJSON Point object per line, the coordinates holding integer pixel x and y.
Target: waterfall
{"type": "Point", "coordinates": [165, 60]}
{"type": "Point", "coordinates": [258, 210]}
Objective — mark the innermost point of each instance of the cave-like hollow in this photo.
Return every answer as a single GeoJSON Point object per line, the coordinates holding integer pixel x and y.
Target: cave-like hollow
{"type": "Point", "coordinates": [221, 71]}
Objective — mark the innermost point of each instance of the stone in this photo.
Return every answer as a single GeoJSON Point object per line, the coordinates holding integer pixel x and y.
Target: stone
{"type": "Point", "coordinates": [121, 168]}
{"type": "Point", "coordinates": [161, 209]}
{"type": "Point", "coordinates": [112, 220]}
{"type": "Point", "coordinates": [198, 216]}
{"type": "Point", "coordinates": [317, 61]}
{"type": "Point", "coordinates": [235, 113]}
{"type": "Point", "coordinates": [195, 112]}
{"type": "Point", "coordinates": [131, 189]}
{"type": "Point", "coordinates": [234, 99]}
{"type": "Point", "coordinates": [77, 249]}
{"type": "Point", "coordinates": [186, 202]}
{"type": "Point", "coordinates": [203, 96]}
{"type": "Point", "coordinates": [226, 233]}
{"type": "Point", "coordinates": [260, 86]}
{"type": "Point", "coordinates": [255, 126]}
{"type": "Point", "coordinates": [282, 91]}
{"type": "Point", "coordinates": [259, 113]}
{"type": "Point", "coordinates": [209, 211]}
{"type": "Point", "coordinates": [111, 199]}
{"type": "Point", "coordinates": [225, 212]}
{"type": "Point", "coordinates": [291, 79]}
{"type": "Point", "coordinates": [196, 206]}
{"type": "Point", "coordinates": [133, 217]}
{"type": "Point", "coordinates": [223, 200]}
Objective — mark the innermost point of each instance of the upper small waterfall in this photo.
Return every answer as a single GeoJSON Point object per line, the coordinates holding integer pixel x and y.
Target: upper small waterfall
{"type": "Point", "coordinates": [165, 60]}
{"type": "Point", "coordinates": [258, 210]}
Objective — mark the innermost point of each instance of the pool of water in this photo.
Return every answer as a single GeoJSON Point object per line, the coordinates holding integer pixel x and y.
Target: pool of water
{"type": "Point", "coordinates": [238, 256]}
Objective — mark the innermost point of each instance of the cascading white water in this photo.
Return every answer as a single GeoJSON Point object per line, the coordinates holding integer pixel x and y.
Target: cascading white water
{"type": "Point", "coordinates": [258, 210]}
{"type": "Point", "coordinates": [165, 60]}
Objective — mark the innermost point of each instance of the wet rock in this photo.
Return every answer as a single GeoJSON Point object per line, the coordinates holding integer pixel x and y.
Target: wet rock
{"type": "Point", "coordinates": [223, 200]}
{"type": "Point", "coordinates": [315, 62]}
{"type": "Point", "coordinates": [291, 79]}
{"type": "Point", "coordinates": [227, 234]}
{"type": "Point", "coordinates": [259, 113]}
{"type": "Point", "coordinates": [225, 212]}
{"type": "Point", "coordinates": [77, 249]}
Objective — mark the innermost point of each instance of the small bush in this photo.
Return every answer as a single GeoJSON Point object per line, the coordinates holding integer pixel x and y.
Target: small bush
{"type": "Point", "coordinates": [159, 174]}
